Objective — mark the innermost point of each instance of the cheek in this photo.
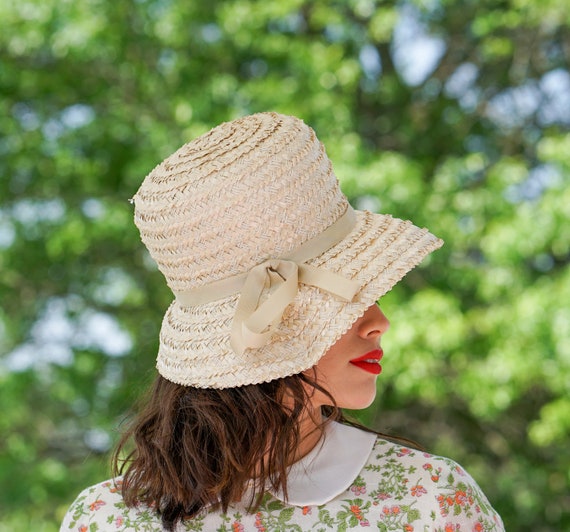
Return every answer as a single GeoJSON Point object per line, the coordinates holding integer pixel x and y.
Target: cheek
{"type": "Point", "coordinates": [324, 374]}
{"type": "Point", "coordinates": [327, 370]}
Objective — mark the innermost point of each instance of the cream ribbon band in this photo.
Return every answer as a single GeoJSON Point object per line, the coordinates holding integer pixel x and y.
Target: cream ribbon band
{"type": "Point", "coordinates": [255, 322]}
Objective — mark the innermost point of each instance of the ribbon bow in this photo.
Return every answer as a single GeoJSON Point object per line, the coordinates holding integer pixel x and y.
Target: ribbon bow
{"type": "Point", "coordinates": [255, 322]}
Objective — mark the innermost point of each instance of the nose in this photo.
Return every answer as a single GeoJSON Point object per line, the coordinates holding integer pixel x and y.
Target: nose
{"type": "Point", "coordinates": [373, 323]}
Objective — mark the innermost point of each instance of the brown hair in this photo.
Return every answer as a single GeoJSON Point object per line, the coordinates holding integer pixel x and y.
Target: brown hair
{"type": "Point", "coordinates": [197, 448]}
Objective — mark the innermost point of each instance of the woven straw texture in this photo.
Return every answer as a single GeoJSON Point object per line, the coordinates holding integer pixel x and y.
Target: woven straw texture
{"type": "Point", "coordinates": [249, 190]}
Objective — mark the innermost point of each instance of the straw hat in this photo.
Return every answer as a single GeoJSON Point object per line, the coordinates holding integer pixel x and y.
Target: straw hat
{"type": "Point", "coordinates": [268, 262]}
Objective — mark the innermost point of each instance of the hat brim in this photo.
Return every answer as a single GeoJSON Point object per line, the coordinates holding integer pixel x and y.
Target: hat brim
{"type": "Point", "coordinates": [195, 342]}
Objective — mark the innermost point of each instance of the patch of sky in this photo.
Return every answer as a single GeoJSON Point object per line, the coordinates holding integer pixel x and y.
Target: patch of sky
{"type": "Point", "coordinates": [470, 99]}
{"type": "Point", "coordinates": [555, 106]}
{"type": "Point", "coordinates": [548, 99]}
{"type": "Point", "coordinates": [100, 331]}
{"type": "Point", "coordinates": [368, 203]}
{"type": "Point", "coordinates": [538, 180]}
{"type": "Point", "coordinates": [49, 343]}
{"type": "Point", "coordinates": [461, 85]}
{"type": "Point", "coordinates": [93, 208]}
{"type": "Point", "coordinates": [111, 379]}
{"type": "Point", "coordinates": [475, 143]}
{"type": "Point", "coordinates": [415, 52]}
{"type": "Point", "coordinates": [290, 23]}
{"type": "Point", "coordinates": [97, 440]}
{"type": "Point", "coordinates": [70, 118]}
{"type": "Point", "coordinates": [513, 106]}
{"type": "Point", "coordinates": [56, 333]}
{"type": "Point", "coordinates": [335, 32]}
{"type": "Point", "coordinates": [166, 60]}
{"type": "Point", "coordinates": [156, 8]}
{"type": "Point", "coordinates": [7, 231]}
{"type": "Point", "coordinates": [210, 33]}
{"type": "Point", "coordinates": [370, 61]}
{"type": "Point", "coordinates": [34, 211]}
{"type": "Point", "coordinates": [466, 224]}
{"type": "Point", "coordinates": [52, 129]}
{"type": "Point", "coordinates": [77, 115]}
{"type": "Point", "coordinates": [26, 116]}
{"type": "Point", "coordinates": [29, 355]}
{"type": "Point", "coordinates": [113, 287]}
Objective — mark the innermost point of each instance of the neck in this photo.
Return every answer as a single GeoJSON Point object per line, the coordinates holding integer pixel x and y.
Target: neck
{"type": "Point", "coordinates": [310, 431]}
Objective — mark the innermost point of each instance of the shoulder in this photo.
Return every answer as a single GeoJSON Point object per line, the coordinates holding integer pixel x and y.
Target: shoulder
{"type": "Point", "coordinates": [101, 507]}
{"type": "Point", "coordinates": [439, 470]}
{"type": "Point", "coordinates": [425, 487]}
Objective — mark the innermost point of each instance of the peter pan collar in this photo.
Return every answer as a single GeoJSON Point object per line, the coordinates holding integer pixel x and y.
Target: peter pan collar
{"type": "Point", "coordinates": [330, 468]}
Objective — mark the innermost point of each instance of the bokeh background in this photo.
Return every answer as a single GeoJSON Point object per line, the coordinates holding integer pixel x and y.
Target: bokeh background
{"type": "Point", "coordinates": [455, 114]}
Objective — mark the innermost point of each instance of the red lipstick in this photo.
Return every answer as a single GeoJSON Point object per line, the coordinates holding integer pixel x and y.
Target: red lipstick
{"type": "Point", "coordinates": [370, 362]}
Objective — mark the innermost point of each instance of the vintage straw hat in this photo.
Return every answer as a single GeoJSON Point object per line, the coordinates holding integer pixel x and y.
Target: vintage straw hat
{"type": "Point", "coordinates": [268, 262]}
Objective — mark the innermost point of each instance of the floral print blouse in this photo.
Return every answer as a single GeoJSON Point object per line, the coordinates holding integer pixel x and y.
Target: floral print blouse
{"type": "Point", "coordinates": [353, 479]}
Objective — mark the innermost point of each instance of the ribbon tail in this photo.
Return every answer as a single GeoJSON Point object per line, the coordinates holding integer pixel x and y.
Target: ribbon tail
{"type": "Point", "coordinates": [254, 324]}
{"type": "Point", "coordinates": [248, 302]}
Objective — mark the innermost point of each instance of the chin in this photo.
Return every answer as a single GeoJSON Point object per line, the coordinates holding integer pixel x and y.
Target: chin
{"type": "Point", "coordinates": [358, 404]}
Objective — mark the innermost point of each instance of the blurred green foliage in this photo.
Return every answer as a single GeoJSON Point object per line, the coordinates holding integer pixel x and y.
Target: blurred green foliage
{"type": "Point", "coordinates": [453, 113]}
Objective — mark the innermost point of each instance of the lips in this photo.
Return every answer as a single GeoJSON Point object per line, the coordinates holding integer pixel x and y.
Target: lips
{"type": "Point", "coordinates": [369, 362]}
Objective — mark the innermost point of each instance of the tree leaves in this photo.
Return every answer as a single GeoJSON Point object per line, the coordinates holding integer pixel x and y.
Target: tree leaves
{"type": "Point", "coordinates": [95, 95]}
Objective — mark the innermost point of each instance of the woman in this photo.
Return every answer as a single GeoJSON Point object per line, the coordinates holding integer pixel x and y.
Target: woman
{"type": "Point", "coordinates": [274, 328]}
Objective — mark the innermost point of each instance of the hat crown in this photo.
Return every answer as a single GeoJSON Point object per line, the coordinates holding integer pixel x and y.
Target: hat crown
{"type": "Point", "coordinates": [248, 190]}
